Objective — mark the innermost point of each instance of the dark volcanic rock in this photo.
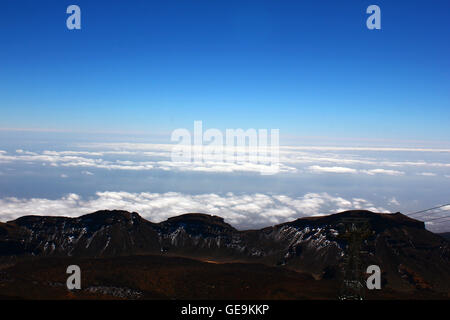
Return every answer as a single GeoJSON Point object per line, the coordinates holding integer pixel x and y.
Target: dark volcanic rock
{"type": "Point", "coordinates": [445, 235]}
{"type": "Point", "coordinates": [103, 233]}
{"type": "Point", "coordinates": [409, 256]}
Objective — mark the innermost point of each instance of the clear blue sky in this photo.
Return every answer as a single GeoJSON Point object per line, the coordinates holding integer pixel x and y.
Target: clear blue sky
{"type": "Point", "coordinates": [305, 67]}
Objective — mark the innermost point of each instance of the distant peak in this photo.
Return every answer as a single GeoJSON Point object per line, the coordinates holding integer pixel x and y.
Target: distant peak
{"type": "Point", "coordinates": [196, 216]}
{"type": "Point", "coordinates": [108, 217]}
{"type": "Point", "coordinates": [198, 219]}
{"type": "Point", "coordinates": [112, 213]}
{"type": "Point", "coordinates": [377, 221]}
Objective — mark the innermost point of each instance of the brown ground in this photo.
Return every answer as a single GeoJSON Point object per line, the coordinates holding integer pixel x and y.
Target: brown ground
{"type": "Point", "coordinates": [163, 277]}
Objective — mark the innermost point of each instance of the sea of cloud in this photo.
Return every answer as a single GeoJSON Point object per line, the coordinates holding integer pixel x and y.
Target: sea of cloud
{"type": "Point", "coordinates": [242, 211]}
{"type": "Point", "coordinates": [252, 209]}
{"type": "Point", "coordinates": [139, 157]}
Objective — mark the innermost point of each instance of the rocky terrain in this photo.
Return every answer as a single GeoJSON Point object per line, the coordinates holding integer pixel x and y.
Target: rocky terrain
{"type": "Point", "coordinates": [412, 259]}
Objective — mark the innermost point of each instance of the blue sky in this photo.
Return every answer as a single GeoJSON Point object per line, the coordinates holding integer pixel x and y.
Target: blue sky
{"type": "Point", "coordinates": [305, 67]}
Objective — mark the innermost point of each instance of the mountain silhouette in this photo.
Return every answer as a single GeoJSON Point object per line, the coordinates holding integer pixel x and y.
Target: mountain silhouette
{"type": "Point", "coordinates": [410, 257]}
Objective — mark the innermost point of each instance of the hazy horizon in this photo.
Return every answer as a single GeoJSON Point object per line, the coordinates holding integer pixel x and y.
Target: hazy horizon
{"type": "Point", "coordinates": [44, 175]}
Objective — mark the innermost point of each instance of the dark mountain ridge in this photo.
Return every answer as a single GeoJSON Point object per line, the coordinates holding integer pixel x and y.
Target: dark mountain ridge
{"type": "Point", "coordinates": [445, 235]}
{"type": "Point", "coordinates": [410, 256]}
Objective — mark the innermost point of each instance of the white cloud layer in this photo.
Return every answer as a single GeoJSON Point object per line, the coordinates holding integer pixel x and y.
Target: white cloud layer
{"type": "Point", "coordinates": [84, 159]}
{"type": "Point", "coordinates": [319, 169]}
{"type": "Point", "coordinates": [427, 174]}
{"type": "Point", "coordinates": [241, 211]}
{"type": "Point", "coordinates": [328, 160]}
{"type": "Point", "coordinates": [383, 171]}
{"type": "Point", "coordinates": [394, 202]}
